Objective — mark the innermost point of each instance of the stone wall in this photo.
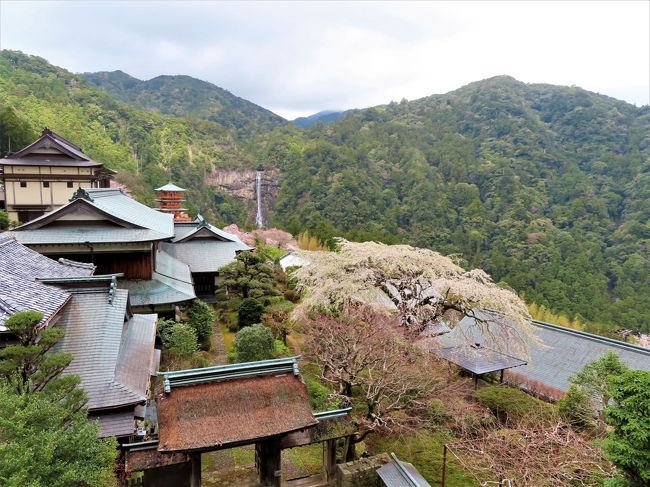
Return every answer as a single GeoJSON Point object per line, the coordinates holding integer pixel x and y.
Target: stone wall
{"type": "Point", "coordinates": [361, 473]}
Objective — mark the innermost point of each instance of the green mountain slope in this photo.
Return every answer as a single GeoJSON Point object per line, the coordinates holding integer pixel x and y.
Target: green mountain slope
{"type": "Point", "coordinates": [147, 149]}
{"type": "Point", "coordinates": [545, 187]}
{"type": "Point", "coordinates": [184, 96]}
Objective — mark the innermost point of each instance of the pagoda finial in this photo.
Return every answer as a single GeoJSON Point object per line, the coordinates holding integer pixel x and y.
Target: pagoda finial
{"type": "Point", "coordinates": [81, 194]}
{"type": "Point", "coordinates": [46, 131]}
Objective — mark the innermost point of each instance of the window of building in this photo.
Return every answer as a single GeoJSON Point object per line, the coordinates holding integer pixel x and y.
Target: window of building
{"type": "Point", "coordinates": [69, 184]}
{"type": "Point", "coordinates": [46, 184]}
{"type": "Point", "coordinates": [23, 184]}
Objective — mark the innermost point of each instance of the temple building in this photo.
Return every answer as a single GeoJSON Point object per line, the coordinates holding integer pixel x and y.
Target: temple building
{"type": "Point", "coordinates": [170, 200]}
{"type": "Point", "coordinates": [205, 249]}
{"type": "Point", "coordinates": [44, 175]}
{"type": "Point", "coordinates": [113, 350]}
{"type": "Point", "coordinates": [119, 236]}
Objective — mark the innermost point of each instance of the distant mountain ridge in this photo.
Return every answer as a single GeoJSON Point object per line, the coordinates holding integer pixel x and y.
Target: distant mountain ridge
{"type": "Point", "coordinates": [185, 96]}
{"type": "Point", "coordinates": [324, 116]}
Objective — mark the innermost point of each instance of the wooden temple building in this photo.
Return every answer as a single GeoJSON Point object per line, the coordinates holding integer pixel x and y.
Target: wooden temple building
{"type": "Point", "coordinates": [205, 249]}
{"type": "Point", "coordinates": [113, 349]}
{"type": "Point", "coordinates": [44, 175]}
{"type": "Point", "coordinates": [118, 235]}
{"type": "Point", "coordinates": [263, 403]}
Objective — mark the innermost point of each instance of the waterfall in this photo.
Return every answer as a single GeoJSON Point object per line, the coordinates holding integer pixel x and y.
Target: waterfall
{"type": "Point", "coordinates": [259, 219]}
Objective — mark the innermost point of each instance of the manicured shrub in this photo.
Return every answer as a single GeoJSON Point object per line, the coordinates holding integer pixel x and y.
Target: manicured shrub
{"type": "Point", "coordinates": [250, 312]}
{"type": "Point", "coordinates": [254, 343]}
{"type": "Point", "coordinates": [201, 318]}
{"type": "Point", "coordinates": [165, 328]}
{"type": "Point", "coordinates": [182, 340]}
{"type": "Point", "coordinates": [575, 408]}
{"type": "Point", "coordinates": [513, 405]}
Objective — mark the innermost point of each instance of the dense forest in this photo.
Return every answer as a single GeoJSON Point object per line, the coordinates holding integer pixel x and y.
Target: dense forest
{"type": "Point", "coordinates": [146, 148]}
{"type": "Point", "coordinates": [547, 188]}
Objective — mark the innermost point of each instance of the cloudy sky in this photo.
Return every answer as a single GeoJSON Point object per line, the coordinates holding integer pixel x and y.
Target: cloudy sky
{"type": "Point", "coordinates": [300, 58]}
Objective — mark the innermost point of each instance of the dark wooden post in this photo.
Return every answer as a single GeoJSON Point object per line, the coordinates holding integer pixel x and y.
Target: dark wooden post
{"type": "Point", "coordinates": [501, 377]}
{"type": "Point", "coordinates": [444, 464]}
{"type": "Point", "coordinates": [349, 449]}
{"type": "Point", "coordinates": [329, 458]}
{"type": "Point", "coordinates": [195, 475]}
{"type": "Point", "coordinates": [268, 462]}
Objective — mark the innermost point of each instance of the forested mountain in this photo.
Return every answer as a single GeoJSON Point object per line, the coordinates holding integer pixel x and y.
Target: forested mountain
{"type": "Point", "coordinates": [147, 149]}
{"type": "Point", "coordinates": [325, 117]}
{"type": "Point", "coordinates": [545, 187]}
{"type": "Point", "coordinates": [184, 96]}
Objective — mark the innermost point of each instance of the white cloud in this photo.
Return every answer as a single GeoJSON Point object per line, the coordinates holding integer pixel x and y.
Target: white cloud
{"type": "Point", "coordinates": [299, 58]}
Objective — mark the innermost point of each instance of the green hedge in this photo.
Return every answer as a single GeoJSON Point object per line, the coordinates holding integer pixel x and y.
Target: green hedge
{"type": "Point", "coordinates": [513, 405]}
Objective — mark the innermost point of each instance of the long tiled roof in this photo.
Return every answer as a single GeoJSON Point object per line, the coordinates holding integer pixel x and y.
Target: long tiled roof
{"type": "Point", "coordinates": [99, 339]}
{"type": "Point", "coordinates": [204, 255]}
{"type": "Point", "coordinates": [554, 352]}
{"type": "Point", "coordinates": [171, 283]}
{"type": "Point", "coordinates": [130, 221]}
{"type": "Point", "coordinates": [202, 246]}
{"type": "Point", "coordinates": [19, 290]}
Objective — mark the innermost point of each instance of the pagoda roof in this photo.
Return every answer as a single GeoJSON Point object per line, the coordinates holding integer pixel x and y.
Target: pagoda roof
{"type": "Point", "coordinates": [170, 187]}
{"type": "Point", "coordinates": [50, 149]}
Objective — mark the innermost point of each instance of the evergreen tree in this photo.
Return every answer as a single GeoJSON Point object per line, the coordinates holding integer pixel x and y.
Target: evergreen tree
{"type": "Point", "coordinates": [249, 276]}
{"type": "Point", "coordinates": [628, 444]}
{"type": "Point", "coordinates": [201, 319]}
{"type": "Point", "coordinates": [47, 438]}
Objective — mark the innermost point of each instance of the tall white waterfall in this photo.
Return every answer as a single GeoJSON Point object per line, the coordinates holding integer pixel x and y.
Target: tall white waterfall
{"type": "Point", "coordinates": [259, 219]}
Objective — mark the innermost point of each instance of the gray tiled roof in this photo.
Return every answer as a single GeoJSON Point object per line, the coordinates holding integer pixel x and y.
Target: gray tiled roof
{"type": "Point", "coordinates": [204, 255]}
{"type": "Point", "coordinates": [401, 474]}
{"type": "Point", "coordinates": [200, 227]}
{"type": "Point", "coordinates": [137, 353]}
{"type": "Point", "coordinates": [115, 424]}
{"type": "Point", "coordinates": [69, 153]}
{"type": "Point", "coordinates": [140, 223]}
{"type": "Point", "coordinates": [171, 283]}
{"type": "Point", "coordinates": [479, 360]}
{"type": "Point", "coordinates": [81, 234]}
{"type": "Point", "coordinates": [19, 269]}
{"type": "Point", "coordinates": [554, 353]}
{"type": "Point", "coordinates": [96, 334]}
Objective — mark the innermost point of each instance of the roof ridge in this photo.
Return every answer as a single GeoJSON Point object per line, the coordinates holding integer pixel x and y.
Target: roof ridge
{"type": "Point", "coordinates": [591, 336]}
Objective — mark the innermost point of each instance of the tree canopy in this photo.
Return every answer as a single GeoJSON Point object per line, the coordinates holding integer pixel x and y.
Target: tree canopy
{"type": "Point", "coordinates": [628, 444]}
{"type": "Point", "coordinates": [46, 436]}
